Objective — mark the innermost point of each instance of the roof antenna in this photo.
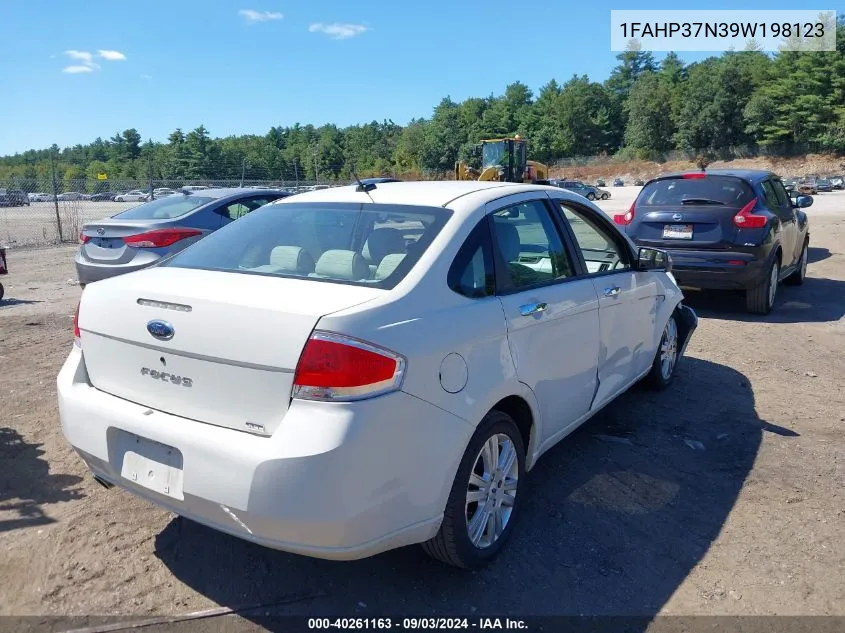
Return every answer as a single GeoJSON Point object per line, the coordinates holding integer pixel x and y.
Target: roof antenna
{"type": "Point", "coordinates": [362, 188]}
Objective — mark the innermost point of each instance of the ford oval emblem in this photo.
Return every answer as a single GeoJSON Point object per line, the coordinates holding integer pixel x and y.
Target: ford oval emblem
{"type": "Point", "coordinates": [161, 330]}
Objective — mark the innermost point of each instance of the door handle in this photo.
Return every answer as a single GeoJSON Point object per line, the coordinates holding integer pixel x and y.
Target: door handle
{"type": "Point", "coordinates": [532, 308]}
{"type": "Point", "coordinates": [612, 292]}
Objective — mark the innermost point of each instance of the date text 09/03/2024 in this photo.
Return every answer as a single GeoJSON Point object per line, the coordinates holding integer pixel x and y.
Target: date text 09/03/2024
{"type": "Point", "coordinates": [435, 624]}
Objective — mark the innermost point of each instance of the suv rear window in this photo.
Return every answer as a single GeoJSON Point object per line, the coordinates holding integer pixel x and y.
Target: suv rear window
{"type": "Point", "coordinates": [720, 190]}
{"type": "Point", "coordinates": [164, 208]}
{"type": "Point", "coordinates": [372, 245]}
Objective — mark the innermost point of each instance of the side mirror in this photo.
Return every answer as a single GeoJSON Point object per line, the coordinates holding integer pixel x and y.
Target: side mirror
{"type": "Point", "coordinates": [653, 259]}
{"type": "Point", "coordinates": [802, 202]}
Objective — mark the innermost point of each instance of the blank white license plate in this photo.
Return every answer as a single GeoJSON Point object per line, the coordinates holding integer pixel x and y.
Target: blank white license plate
{"type": "Point", "coordinates": [152, 465]}
{"type": "Point", "coordinates": [677, 231]}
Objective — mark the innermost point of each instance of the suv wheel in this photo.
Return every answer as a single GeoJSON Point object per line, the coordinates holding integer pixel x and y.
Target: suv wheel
{"type": "Point", "coordinates": [761, 298]}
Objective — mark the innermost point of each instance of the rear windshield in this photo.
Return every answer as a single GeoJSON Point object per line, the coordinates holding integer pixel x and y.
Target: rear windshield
{"type": "Point", "coordinates": [164, 208]}
{"type": "Point", "coordinates": [361, 244]}
{"type": "Point", "coordinates": [718, 190]}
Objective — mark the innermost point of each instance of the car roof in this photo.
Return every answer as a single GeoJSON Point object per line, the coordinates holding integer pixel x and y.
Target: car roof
{"type": "Point", "coordinates": [223, 192]}
{"type": "Point", "coordinates": [416, 193]}
{"type": "Point", "coordinates": [751, 175]}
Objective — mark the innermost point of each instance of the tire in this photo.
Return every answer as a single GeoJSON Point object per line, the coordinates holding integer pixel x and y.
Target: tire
{"type": "Point", "coordinates": [666, 358]}
{"type": "Point", "coordinates": [452, 544]}
{"type": "Point", "coordinates": [761, 298]}
{"type": "Point", "coordinates": [2, 292]}
{"type": "Point", "coordinates": [797, 278]}
{"type": "Point", "coordinates": [591, 196]}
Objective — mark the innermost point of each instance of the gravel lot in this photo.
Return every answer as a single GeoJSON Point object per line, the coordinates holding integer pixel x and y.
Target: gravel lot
{"type": "Point", "coordinates": [723, 495]}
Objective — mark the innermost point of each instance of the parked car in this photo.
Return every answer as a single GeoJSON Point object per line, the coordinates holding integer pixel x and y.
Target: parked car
{"type": "Point", "coordinates": [725, 229]}
{"type": "Point", "coordinates": [193, 188]}
{"type": "Point", "coordinates": [252, 381]}
{"type": "Point", "coordinates": [39, 197]}
{"type": "Point", "coordinates": [807, 187]}
{"type": "Point", "coordinates": [789, 185]}
{"type": "Point", "coordinates": [142, 235]}
{"type": "Point", "coordinates": [639, 182]}
{"type": "Point", "coordinates": [161, 192]}
{"type": "Point", "coordinates": [618, 182]}
{"type": "Point", "coordinates": [576, 186]}
{"type": "Point", "coordinates": [13, 198]}
{"type": "Point", "coordinates": [69, 196]}
{"type": "Point", "coordinates": [103, 196]}
{"type": "Point", "coordinates": [823, 185]}
{"type": "Point", "coordinates": [600, 183]}
{"type": "Point", "coordinates": [838, 182]}
{"type": "Point", "coordinates": [136, 195]}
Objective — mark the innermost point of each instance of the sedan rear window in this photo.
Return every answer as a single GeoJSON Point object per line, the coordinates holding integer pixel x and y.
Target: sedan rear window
{"type": "Point", "coordinates": [716, 190]}
{"type": "Point", "coordinates": [361, 244]}
{"type": "Point", "coordinates": [164, 208]}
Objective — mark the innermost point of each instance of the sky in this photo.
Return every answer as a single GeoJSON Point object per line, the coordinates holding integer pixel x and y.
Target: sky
{"type": "Point", "coordinates": [73, 71]}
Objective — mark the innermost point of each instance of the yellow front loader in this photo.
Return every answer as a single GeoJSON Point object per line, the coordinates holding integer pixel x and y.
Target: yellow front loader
{"type": "Point", "coordinates": [503, 160]}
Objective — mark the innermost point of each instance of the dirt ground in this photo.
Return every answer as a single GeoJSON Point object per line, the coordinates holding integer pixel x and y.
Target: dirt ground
{"type": "Point", "coordinates": [722, 495]}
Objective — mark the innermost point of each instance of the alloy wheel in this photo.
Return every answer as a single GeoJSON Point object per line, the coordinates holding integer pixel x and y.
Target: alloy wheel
{"type": "Point", "coordinates": [491, 490]}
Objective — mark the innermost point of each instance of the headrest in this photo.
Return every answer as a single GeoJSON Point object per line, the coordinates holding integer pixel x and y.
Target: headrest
{"type": "Point", "coordinates": [388, 265]}
{"type": "Point", "coordinates": [383, 242]}
{"type": "Point", "coordinates": [339, 264]}
{"type": "Point", "coordinates": [508, 239]}
{"type": "Point", "coordinates": [292, 259]}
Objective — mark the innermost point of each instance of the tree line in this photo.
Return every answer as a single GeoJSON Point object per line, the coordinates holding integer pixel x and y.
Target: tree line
{"type": "Point", "coordinates": [776, 103]}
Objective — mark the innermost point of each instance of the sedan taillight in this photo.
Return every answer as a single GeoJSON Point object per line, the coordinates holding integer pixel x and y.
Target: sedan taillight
{"type": "Point", "coordinates": [160, 237]}
{"type": "Point", "coordinates": [84, 239]}
{"type": "Point", "coordinates": [335, 368]}
{"type": "Point", "coordinates": [77, 335]}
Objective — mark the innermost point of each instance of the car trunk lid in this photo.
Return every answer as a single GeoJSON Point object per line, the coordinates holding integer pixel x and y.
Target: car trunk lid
{"type": "Point", "coordinates": [236, 339]}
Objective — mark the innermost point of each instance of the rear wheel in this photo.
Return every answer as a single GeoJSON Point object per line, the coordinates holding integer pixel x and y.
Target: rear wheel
{"type": "Point", "coordinates": [761, 298]}
{"type": "Point", "coordinates": [605, 196]}
{"type": "Point", "coordinates": [485, 497]}
{"type": "Point", "coordinates": [797, 278]}
{"type": "Point", "coordinates": [663, 368]}
{"type": "Point", "coordinates": [591, 196]}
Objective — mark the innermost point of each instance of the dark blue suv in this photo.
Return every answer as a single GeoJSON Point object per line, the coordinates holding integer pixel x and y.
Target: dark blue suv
{"type": "Point", "coordinates": [725, 230]}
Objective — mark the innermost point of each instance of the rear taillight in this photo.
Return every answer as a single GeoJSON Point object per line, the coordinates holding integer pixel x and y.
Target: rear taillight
{"type": "Point", "coordinates": [160, 237]}
{"type": "Point", "coordinates": [83, 239]}
{"type": "Point", "coordinates": [746, 219]}
{"type": "Point", "coordinates": [335, 368]}
{"type": "Point", "coordinates": [696, 175]}
{"type": "Point", "coordinates": [77, 338]}
{"type": "Point", "coordinates": [627, 218]}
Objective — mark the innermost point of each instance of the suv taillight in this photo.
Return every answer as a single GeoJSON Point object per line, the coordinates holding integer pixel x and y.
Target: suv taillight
{"type": "Point", "coordinates": [160, 238]}
{"type": "Point", "coordinates": [628, 217]}
{"type": "Point", "coordinates": [746, 219]}
{"type": "Point", "coordinates": [77, 338]}
{"type": "Point", "coordinates": [335, 368]}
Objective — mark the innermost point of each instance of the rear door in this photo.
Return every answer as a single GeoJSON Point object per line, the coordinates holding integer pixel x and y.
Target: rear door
{"type": "Point", "coordinates": [790, 239]}
{"type": "Point", "coordinates": [551, 314]}
{"type": "Point", "coordinates": [627, 300]}
{"type": "Point", "coordinates": [693, 212]}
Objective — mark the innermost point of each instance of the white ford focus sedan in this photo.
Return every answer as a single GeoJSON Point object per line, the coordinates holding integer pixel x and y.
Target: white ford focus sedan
{"type": "Point", "coordinates": [356, 369]}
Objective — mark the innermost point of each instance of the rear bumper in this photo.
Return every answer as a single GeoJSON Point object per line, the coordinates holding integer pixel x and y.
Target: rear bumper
{"type": "Point", "coordinates": [717, 270]}
{"type": "Point", "coordinates": [88, 272]}
{"type": "Point", "coordinates": [336, 481]}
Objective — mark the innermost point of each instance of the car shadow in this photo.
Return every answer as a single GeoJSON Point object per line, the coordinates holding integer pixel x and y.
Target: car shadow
{"type": "Point", "coordinates": [817, 254]}
{"type": "Point", "coordinates": [26, 484]}
{"type": "Point", "coordinates": [615, 518]}
{"type": "Point", "coordinates": [817, 300]}
{"type": "Point", "coordinates": [16, 302]}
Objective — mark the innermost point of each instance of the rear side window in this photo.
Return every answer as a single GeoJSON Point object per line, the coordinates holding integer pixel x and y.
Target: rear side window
{"type": "Point", "coordinates": [164, 208]}
{"type": "Point", "coordinates": [769, 196]}
{"type": "Point", "coordinates": [716, 190]}
{"type": "Point", "coordinates": [361, 244]}
{"type": "Point", "coordinates": [472, 272]}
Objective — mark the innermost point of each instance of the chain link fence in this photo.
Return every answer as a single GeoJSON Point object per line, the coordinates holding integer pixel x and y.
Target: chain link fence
{"type": "Point", "coordinates": [39, 212]}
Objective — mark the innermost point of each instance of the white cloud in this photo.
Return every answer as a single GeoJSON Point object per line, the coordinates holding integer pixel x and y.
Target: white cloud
{"type": "Point", "coordinates": [112, 56]}
{"type": "Point", "coordinates": [75, 70]}
{"type": "Point", "coordinates": [83, 56]}
{"type": "Point", "coordinates": [338, 31]}
{"type": "Point", "coordinates": [252, 16]}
